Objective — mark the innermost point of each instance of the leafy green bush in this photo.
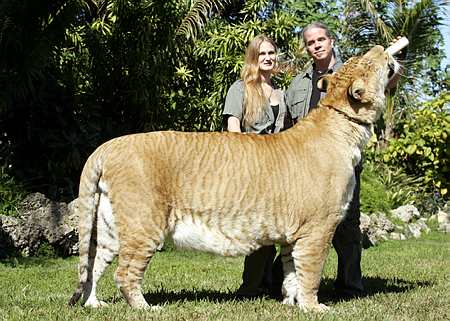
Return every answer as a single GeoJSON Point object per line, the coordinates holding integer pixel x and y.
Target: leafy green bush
{"type": "Point", "coordinates": [385, 187]}
{"type": "Point", "coordinates": [422, 147]}
{"type": "Point", "coordinates": [403, 189]}
{"type": "Point", "coordinates": [374, 196]}
{"type": "Point", "coordinates": [11, 194]}
{"type": "Point", "coordinates": [45, 250]}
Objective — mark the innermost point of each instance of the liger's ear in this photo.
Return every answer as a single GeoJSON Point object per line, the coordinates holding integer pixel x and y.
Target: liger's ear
{"type": "Point", "coordinates": [322, 84]}
{"type": "Point", "coordinates": [357, 90]}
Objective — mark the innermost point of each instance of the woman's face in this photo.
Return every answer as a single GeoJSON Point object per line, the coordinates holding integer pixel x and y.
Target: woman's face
{"type": "Point", "coordinates": [267, 56]}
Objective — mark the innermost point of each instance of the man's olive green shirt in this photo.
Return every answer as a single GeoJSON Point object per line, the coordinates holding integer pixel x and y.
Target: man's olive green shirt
{"type": "Point", "coordinates": [298, 95]}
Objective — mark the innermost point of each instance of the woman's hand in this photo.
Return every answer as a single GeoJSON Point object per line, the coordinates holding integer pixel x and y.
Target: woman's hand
{"type": "Point", "coordinates": [233, 124]}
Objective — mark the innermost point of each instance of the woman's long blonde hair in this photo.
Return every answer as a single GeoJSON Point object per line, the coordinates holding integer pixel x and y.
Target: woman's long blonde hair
{"type": "Point", "coordinates": [254, 99]}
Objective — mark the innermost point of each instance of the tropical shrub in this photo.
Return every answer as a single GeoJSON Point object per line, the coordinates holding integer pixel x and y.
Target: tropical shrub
{"type": "Point", "coordinates": [11, 193]}
{"type": "Point", "coordinates": [374, 196]}
{"type": "Point", "coordinates": [422, 147]}
{"type": "Point", "coordinates": [385, 187]}
{"type": "Point", "coordinates": [205, 72]}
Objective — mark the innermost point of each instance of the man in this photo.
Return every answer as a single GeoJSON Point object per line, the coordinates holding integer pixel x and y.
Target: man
{"type": "Point", "coordinates": [301, 97]}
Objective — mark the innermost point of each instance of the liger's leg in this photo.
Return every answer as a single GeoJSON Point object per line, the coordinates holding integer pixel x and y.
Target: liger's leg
{"type": "Point", "coordinates": [143, 229]}
{"type": "Point", "coordinates": [102, 252]}
{"type": "Point", "coordinates": [348, 246]}
{"type": "Point", "coordinates": [309, 254]}
{"type": "Point", "coordinates": [289, 287]}
{"type": "Point", "coordinates": [134, 257]}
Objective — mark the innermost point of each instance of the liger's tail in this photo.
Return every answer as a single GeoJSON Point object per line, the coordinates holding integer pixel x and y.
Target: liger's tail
{"type": "Point", "coordinates": [86, 207]}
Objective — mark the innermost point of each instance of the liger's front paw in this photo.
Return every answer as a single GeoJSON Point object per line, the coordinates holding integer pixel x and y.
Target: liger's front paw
{"type": "Point", "coordinates": [289, 301]}
{"type": "Point", "coordinates": [319, 307]}
{"type": "Point", "coordinates": [94, 303]}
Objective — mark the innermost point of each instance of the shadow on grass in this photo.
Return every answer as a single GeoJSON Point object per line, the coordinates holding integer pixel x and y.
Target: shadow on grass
{"type": "Point", "coordinates": [393, 285]}
{"type": "Point", "coordinates": [327, 294]}
{"type": "Point", "coordinates": [373, 286]}
{"type": "Point", "coordinates": [162, 296]}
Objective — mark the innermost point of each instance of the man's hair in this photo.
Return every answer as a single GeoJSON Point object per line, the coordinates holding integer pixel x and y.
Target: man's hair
{"type": "Point", "coordinates": [317, 24]}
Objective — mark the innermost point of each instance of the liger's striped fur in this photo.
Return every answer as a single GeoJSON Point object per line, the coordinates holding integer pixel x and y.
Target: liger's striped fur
{"type": "Point", "coordinates": [230, 193]}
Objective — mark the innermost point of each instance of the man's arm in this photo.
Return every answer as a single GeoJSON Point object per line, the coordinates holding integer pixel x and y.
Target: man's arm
{"type": "Point", "coordinates": [297, 96]}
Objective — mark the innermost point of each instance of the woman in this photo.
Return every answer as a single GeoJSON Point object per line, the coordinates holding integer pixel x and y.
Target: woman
{"type": "Point", "coordinates": [254, 105]}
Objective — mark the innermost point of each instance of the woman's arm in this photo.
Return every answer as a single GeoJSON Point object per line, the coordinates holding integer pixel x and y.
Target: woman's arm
{"type": "Point", "coordinates": [233, 110]}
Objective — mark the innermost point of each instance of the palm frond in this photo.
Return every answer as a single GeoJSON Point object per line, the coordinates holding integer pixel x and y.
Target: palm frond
{"type": "Point", "coordinates": [419, 22]}
{"type": "Point", "coordinates": [97, 8]}
{"type": "Point", "coordinates": [380, 25]}
{"type": "Point", "coordinates": [199, 14]}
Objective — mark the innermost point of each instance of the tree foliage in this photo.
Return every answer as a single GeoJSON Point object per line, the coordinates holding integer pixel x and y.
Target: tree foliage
{"type": "Point", "coordinates": [368, 23]}
{"type": "Point", "coordinates": [217, 56]}
{"type": "Point", "coordinates": [198, 16]}
{"type": "Point", "coordinates": [422, 147]}
{"type": "Point", "coordinates": [76, 73]}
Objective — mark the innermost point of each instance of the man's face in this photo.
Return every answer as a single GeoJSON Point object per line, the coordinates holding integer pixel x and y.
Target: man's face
{"type": "Point", "coordinates": [318, 45]}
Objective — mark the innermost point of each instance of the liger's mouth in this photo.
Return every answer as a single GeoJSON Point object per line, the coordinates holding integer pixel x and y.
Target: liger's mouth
{"type": "Point", "coordinates": [391, 72]}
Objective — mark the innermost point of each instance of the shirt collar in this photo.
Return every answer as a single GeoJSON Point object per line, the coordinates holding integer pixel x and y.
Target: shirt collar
{"type": "Point", "coordinates": [338, 63]}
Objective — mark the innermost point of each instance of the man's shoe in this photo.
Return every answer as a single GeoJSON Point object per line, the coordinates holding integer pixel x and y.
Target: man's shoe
{"type": "Point", "coordinates": [348, 294]}
{"type": "Point", "coordinates": [251, 293]}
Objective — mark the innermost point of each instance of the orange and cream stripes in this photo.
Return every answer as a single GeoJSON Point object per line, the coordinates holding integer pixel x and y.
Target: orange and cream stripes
{"type": "Point", "coordinates": [230, 193]}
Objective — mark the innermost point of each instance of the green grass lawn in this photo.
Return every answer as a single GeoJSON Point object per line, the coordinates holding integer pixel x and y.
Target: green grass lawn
{"type": "Point", "coordinates": [405, 280]}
